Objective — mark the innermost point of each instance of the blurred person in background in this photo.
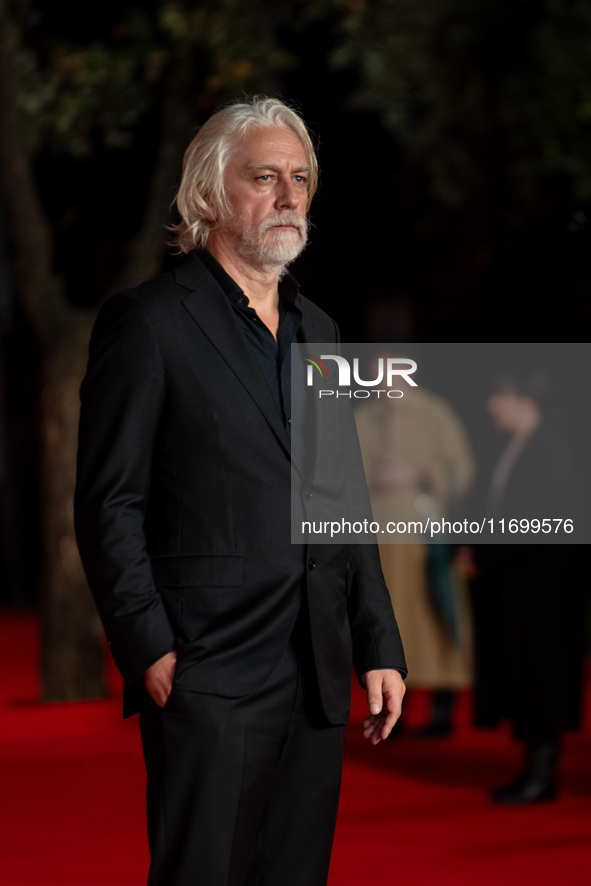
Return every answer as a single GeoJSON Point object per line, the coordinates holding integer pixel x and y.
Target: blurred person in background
{"type": "Point", "coordinates": [527, 598]}
{"type": "Point", "coordinates": [418, 460]}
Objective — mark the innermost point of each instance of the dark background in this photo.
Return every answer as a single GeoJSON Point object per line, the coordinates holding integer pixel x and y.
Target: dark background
{"type": "Point", "coordinates": [454, 144]}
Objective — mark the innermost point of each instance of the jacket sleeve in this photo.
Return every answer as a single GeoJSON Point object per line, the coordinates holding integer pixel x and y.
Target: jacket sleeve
{"type": "Point", "coordinates": [121, 402]}
{"type": "Point", "coordinates": [375, 634]}
{"type": "Point", "coordinates": [374, 630]}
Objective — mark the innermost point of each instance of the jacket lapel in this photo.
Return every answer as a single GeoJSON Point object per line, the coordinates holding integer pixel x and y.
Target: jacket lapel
{"type": "Point", "coordinates": [313, 331]}
{"type": "Point", "coordinates": [210, 309]}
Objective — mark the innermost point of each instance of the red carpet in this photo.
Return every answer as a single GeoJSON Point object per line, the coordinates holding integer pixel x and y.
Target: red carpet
{"type": "Point", "coordinates": [412, 814]}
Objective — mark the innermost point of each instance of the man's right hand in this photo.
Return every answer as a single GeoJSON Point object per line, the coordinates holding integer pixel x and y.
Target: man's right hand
{"type": "Point", "coordinates": [159, 676]}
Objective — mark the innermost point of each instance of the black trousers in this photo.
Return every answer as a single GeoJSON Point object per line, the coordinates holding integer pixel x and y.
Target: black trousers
{"type": "Point", "coordinates": [243, 792]}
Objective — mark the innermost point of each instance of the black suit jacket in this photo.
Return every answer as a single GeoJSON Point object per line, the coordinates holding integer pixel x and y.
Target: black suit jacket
{"type": "Point", "coordinates": [183, 504]}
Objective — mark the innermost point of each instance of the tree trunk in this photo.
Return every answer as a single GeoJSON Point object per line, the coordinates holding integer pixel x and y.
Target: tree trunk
{"type": "Point", "coordinates": [144, 254]}
{"type": "Point", "coordinates": [72, 647]}
{"type": "Point", "coordinates": [72, 637]}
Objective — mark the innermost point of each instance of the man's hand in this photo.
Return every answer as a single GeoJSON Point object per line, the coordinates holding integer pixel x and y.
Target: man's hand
{"type": "Point", "coordinates": [159, 676]}
{"type": "Point", "coordinates": [385, 691]}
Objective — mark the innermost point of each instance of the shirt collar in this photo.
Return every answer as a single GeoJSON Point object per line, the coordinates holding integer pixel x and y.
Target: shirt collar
{"type": "Point", "coordinates": [289, 288]}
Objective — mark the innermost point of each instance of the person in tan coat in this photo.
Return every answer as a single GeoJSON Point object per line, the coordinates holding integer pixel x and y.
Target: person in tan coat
{"type": "Point", "coordinates": [417, 459]}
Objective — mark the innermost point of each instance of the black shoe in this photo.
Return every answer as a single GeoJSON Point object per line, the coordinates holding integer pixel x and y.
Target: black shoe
{"type": "Point", "coordinates": [397, 730]}
{"type": "Point", "coordinates": [524, 790]}
{"type": "Point", "coordinates": [433, 729]}
{"type": "Point", "coordinates": [440, 722]}
{"type": "Point", "coordinates": [537, 783]}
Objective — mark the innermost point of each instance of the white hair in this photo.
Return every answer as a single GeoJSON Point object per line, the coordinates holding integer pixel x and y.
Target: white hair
{"type": "Point", "coordinates": [201, 194]}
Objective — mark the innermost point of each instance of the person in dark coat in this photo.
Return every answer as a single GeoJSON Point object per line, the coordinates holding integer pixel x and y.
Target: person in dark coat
{"type": "Point", "coordinates": [526, 597]}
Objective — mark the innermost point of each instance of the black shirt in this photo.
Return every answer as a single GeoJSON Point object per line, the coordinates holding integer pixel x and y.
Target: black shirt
{"type": "Point", "coordinates": [273, 357]}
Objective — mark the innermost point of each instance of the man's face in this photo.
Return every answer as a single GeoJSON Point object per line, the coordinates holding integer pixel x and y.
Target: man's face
{"type": "Point", "coordinates": [267, 189]}
{"type": "Point", "coordinates": [509, 410]}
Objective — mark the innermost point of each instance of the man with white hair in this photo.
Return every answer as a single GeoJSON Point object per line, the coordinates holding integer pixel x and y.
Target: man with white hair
{"type": "Point", "coordinates": [235, 645]}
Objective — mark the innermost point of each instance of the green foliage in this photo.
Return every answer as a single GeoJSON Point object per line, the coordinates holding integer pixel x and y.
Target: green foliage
{"type": "Point", "coordinates": [489, 100]}
{"type": "Point", "coordinates": [486, 96]}
{"type": "Point", "coordinates": [77, 92]}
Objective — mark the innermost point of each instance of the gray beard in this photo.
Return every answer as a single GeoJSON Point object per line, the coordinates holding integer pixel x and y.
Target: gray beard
{"type": "Point", "coordinates": [274, 251]}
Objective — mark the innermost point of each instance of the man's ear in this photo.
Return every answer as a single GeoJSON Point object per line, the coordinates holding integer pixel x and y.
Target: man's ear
{"type": "Point", "coordinates": [209, 212]}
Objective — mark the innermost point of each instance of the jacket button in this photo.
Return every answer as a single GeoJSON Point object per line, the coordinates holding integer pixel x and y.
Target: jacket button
{"type": "Point", "coordinates": [308, 493]}
{"type": "Point", "coordinates": [311, 564]}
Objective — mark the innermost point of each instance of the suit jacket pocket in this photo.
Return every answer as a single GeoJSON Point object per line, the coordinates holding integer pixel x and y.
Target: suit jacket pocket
{"type": "Point", "coordinates": [199, 570]}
